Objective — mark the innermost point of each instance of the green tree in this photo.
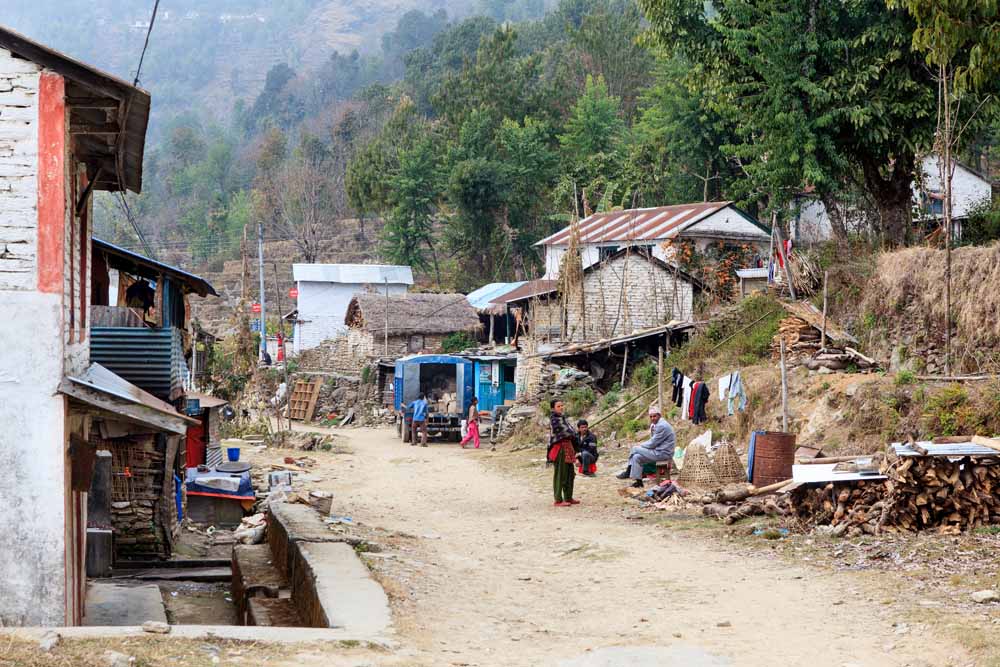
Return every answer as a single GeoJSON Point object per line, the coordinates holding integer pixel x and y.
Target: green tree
{"type": "Point", "coordinates": [818, 91]}
{"type": "Point", "coordinates": [408, 235]}
{"type": "Point", "coordinates": [677, 151]}
{"type": "Point", "coordinates": [593, 146]}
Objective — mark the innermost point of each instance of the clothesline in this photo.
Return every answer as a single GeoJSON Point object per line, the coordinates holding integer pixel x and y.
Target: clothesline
{"type": "Point", "coordinates": [692, 396]}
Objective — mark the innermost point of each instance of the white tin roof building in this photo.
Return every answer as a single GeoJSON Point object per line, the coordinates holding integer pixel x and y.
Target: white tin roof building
{"type": "Point", "coordinates": [325, 291]}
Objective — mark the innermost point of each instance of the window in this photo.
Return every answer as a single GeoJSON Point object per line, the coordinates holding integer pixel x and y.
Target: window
{"type": "Point", "coordinates": [606, 251]}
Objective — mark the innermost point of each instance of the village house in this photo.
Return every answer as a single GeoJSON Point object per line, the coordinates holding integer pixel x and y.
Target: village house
{"type": "Point", "coordinates": [629, 290]}
{"type": "Point", "coordinates": [970, 188]}
{"type": "Point", "coordinates": [417, 324]}
{"type": "Point", "coordinates": [65, 131]}
{"type": "Point", "coordinates": [703, 224]}
{"type": "Point", "coordinates": [325, 291]}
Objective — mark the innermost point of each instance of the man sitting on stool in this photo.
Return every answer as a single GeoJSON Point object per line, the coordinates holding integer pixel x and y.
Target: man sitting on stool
{"type": "Point", "coordinates": [588, 448]}
{"type": "Point", "coordinates": [659, 447]}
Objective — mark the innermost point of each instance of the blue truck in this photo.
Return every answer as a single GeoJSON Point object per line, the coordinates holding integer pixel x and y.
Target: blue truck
{"type": "Point", "coordinates": [448, 383]}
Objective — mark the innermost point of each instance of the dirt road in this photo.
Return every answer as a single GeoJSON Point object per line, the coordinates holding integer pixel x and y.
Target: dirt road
{"type": "Point", "coordinates": [498, 576]}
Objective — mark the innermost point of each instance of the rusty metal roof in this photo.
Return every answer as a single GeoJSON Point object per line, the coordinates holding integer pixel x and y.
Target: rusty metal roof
{"type": "Point", "coordinates": [528, 290]}
{"type": "Point", "coordinates": [638, 224]}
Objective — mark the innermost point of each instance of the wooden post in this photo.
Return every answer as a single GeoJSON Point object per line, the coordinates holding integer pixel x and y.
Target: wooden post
{"type": "Point", "coordinates": [822, 343]}
{"type": "Point", "coordinates": [386, 317]}
{"type": "Point", "coordinates": [784, 390]}
{"type": "Point", "coordinates": [784, 257]}
{"type": "Point", "coordinates": [659, 379]}
{"type": "Point", "coordinates": [624, 366]}
{"type": "Point", "coordinates": [284, 354]}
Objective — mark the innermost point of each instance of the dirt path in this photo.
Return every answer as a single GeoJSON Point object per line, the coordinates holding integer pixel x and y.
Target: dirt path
{"type": "Point", "coordinates": [500, 577]}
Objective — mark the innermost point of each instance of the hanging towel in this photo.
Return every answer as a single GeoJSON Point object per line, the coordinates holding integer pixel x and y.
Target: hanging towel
{"type": "Point", "coordinates": [737, 395]}
{"type": "Point", "coordinates": [724, 388]}
{"type": "Point", "coordinates": [686, 397]}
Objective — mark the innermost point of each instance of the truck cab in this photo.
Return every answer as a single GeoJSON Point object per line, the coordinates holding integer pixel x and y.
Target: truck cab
{"type": "Point", "coordinates": [448, 383]}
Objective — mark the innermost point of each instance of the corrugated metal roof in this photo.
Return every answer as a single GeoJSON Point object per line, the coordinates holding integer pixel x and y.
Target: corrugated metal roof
{"type": "Point", "coordinates": [353, 274]}
{"type": "Point", "coordinates": [813, 473]}
{"type": "Point", "coordinates": [638, 224]}
{"type": "Point", "coordinates": [752, 273]}
{"type": "Point", "coordinates": [483, 297]}
{"type": "Point", "coordinates": [132, 262]}
{"type": "Point", "coordinates": [950, 449]}
{"type": "Point", "coordinates": [530, 289]}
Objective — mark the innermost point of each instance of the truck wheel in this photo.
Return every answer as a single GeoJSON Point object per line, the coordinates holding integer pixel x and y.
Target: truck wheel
{"type": "Point", "coordinates": [405, 430]}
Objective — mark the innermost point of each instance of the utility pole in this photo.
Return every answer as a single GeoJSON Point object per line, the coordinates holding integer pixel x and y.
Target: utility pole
{"type": "Point", "coordinates": [284, 353]}
{"type": "Point", "coordinates": [386, 353]}
{"type": "Point", "coordinates": [263, 311]}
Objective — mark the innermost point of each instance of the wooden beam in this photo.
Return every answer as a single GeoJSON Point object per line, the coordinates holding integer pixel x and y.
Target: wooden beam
{"type": "Point", "coordinates": [92, 103]}
{"type": "Point", "coordinates": [104, 129]}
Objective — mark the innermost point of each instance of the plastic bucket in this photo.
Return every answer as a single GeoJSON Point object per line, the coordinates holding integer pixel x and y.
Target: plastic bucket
{"type": "Point", "coordinates": [233, 453]}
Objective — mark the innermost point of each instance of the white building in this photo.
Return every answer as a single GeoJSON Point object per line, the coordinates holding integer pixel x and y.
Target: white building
{"type": "Point", "coordinates": [326, 290]}
{"type": "Point", "coordinates": [970, 189]}
{"type": "Point", "coordinates": [66, 130]}
{"type": "Point", "coordinates": [603, 234]}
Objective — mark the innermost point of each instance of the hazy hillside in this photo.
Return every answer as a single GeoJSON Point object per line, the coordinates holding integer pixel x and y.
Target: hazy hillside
{"type": "Point", "coordinates": [204, 56]}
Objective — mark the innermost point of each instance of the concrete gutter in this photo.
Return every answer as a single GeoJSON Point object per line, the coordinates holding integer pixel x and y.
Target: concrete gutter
{"type": "Point", "coordinates": [275, 635]}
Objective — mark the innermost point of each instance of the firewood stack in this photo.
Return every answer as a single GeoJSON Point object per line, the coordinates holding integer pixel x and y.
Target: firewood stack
{"type": "Point", "coordinates": [850, 508]}
{"type": "Point", "coordinates": [802, 340]}
{"type": "Point", "coordinates": [934, 492]}
{"type": "Point", "coordinates": [803, 346]}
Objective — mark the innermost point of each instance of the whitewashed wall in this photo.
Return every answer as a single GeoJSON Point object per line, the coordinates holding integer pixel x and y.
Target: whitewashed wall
{"type": "Point", "coordinates": [323, 307]}
{"type": "Point", "coordinates": [968, 188]}
{"type": "Point", "coordinates": [32, 442]}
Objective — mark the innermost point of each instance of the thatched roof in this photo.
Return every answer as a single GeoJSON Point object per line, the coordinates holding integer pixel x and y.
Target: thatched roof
{"type": "Point", "coordinates": [412, 314]}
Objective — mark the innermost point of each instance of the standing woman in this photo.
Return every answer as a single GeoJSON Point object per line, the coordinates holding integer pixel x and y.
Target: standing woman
{"type": "Point", "coordinates": [473, 433]}
{"type": "Point", "coordinates": [562, 454]}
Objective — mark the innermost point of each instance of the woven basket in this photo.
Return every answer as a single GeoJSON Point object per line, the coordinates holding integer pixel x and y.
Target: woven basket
{"type": "Point", "coordinates": [698, 472]}
{"type": "Point", "coordinates": [729, 469]}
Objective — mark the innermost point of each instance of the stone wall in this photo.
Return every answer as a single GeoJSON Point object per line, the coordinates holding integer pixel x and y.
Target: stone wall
{"type": "Point", "coordinates": [350, 353]}
{"type": "Point", "coordinates": [652, 295]}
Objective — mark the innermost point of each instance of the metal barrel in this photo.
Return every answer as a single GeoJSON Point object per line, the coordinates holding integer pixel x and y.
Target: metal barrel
{"type": "Point", "coordinates": [774, 454]}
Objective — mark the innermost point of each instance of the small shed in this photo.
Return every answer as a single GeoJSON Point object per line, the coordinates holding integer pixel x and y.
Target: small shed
{"type": "Point", "coordinates": [752, 280]}
{"type": "Point", "coordinates": [417, 323]}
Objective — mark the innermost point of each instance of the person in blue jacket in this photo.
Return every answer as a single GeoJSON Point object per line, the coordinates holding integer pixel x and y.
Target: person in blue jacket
{"type": "Point", "coordinates": [419, 423]}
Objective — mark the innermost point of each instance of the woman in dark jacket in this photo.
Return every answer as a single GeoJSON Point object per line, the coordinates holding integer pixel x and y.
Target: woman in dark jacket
{"type": "Point", "coordinates": [562, 454]}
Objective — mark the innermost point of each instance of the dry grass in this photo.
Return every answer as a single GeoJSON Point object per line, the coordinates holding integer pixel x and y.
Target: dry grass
{"type": "Point", "coordinates": [910, 283]}
{"type": "Point", "coordinates": [148, 652]}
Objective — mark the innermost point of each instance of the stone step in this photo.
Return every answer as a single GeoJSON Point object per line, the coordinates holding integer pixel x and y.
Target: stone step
{"type": "Point", "coordinates": [273, 612]}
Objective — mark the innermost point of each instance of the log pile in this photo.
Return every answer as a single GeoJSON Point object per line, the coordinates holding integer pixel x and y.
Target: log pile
{"type": "Point", "coordinates": [936, 493]}
{"type": "Point", "coordinates": [852, 508]}
{"type": "Point", "coordinates": [803, 346]}
{"type": "Point", "coordinates": [802, 340]}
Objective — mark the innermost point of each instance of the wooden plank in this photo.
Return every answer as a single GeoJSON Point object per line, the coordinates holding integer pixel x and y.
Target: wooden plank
{"type": "Point", "coordinates": [992, 443]}
{"type": "Point", "coordinates": [311, 409]}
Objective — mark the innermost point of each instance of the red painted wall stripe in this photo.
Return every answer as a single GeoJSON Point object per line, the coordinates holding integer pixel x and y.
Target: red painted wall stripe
{"type": "Point", "coordinates": [51, 181]}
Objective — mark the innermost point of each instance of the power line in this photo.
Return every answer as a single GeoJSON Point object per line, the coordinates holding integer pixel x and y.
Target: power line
{"type": "Point", "coordinates": [152, 22]}
{"type": "Point", "coordinates": [122, 201]}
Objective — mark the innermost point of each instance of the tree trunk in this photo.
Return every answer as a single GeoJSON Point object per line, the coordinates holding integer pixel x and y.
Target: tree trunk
{"type": "Point", "coordinates": [836, 214]}
{"type": "Point", "coordinates": [889, 186]}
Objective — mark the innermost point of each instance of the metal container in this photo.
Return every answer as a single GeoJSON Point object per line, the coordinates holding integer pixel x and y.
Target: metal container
{"type": "Point", "coordinates": [773, 456]}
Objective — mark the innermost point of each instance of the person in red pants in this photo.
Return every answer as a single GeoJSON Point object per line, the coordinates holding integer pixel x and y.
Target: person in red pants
{"type": "Point", "coordinates": [473, 433]}
{"type": "Point", "coordinates": [562, 455]}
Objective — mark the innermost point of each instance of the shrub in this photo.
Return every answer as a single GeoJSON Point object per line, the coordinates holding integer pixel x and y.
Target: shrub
{"type": "Point", "coordinates": [457, 342]}
{"type": "Point", "coordinates": [905, 377]}
{"type": "Point", "coordinates": [610, 400]}
{"type": "Point", "coordinates": [947, 411]}
{"type": "Point", "coordinates": [579, 400]}
{"type": "Point", "coordinates": [645, 374]}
